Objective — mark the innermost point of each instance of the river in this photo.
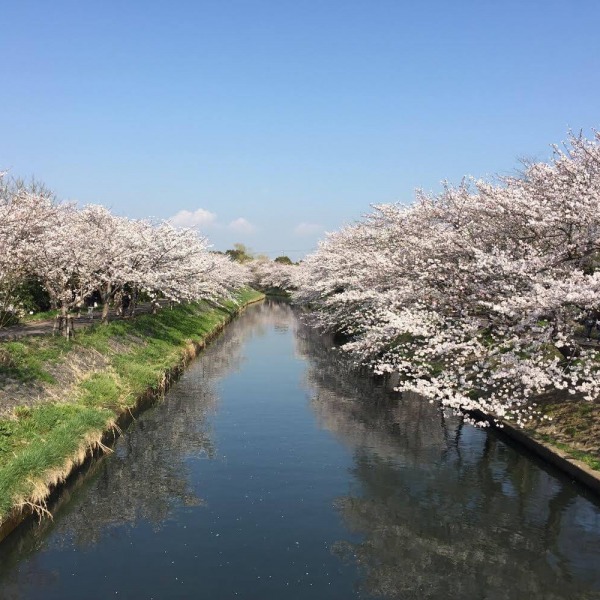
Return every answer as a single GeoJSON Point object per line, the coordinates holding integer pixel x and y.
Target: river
{"type": "Point", "coordinates": [273, 471]}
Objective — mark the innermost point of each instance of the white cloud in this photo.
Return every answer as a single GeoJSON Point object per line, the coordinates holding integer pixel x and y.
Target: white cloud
{"type": "Point", "coordinates": [198, 218]}
{"type": "Point", "coordinates": [305, 229]}
{"type": "Point", "coordinates": [242, 225]}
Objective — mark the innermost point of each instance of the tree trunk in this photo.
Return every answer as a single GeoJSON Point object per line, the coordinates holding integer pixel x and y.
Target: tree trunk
{"type": "Point", "coordinates": [61, 322]}
{"type": "Point", "coordinates": [57, 324]}
{"type": "Point", "coordinates": [106, 296]}
{"type": "Point", "coordinates": [69, 326]}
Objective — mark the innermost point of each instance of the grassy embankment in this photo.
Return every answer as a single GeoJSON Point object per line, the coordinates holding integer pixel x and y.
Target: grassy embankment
{"type": "Point", "coordinates": [82, 387]}
{"type": "Point", "coordinates": [574, 427]}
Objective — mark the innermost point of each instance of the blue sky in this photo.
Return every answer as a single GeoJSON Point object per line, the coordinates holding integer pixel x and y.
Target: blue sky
{"type": "Point", "coordinates": [270, 122]}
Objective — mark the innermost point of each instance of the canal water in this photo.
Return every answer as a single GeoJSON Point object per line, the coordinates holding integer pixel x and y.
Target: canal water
{"type": "Point", "coordinates": [272, 471]}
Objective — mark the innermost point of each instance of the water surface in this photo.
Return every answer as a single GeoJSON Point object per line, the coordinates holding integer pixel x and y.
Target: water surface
{"type": "Point", "coordinates": [272, 471]}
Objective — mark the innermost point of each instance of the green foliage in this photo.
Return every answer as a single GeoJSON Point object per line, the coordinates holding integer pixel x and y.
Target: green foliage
{"type": "Point", "coordinates": [8, 318]}
{"type": "Point", "coordinates": [284, 260]}
{"type": "Point", "coordinates": [28, 297]}
{"type": "Point", "coordinates": [32, 296]}
{"type": "Point", "coordinates": [239, 253]}
{"type": "Point", "coordinates": [277, 292]}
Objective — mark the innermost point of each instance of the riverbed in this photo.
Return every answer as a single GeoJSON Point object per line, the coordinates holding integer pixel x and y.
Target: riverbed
{"type": "Point", "coordinates": [271, 470]}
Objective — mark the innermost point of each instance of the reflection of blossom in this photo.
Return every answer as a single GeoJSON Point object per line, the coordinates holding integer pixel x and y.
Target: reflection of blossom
{"type": "Point", "coordinates": [147, 476]}
{"type": "Point", "coordinates": [446, 510]}
{"type": "Point", "coordinates": [389, 424]}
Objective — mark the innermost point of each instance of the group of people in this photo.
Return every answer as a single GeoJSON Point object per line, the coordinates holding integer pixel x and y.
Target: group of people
{"type": "Point", "coordinates": [122, 301]}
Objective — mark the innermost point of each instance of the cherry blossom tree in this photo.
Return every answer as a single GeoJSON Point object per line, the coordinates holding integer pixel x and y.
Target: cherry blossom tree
{"type": "Point", "coordinates": [26, 210]}
{"type": "Point", "coordinates": [177, 264]}
{"type": "Point", "coordinates": [473, 296]}
{"type": "Point", "coordinates": [269, 274]}
{"type": "Point", "coordinates": [77, 252]}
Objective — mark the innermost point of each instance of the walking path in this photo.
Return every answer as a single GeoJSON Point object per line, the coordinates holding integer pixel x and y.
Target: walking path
{"type": "Point", "coordinates": [46, 327]}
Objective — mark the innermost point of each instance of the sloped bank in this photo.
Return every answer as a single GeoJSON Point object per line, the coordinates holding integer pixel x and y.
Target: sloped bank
{"type": "Point", "coordinates": [62, 403]}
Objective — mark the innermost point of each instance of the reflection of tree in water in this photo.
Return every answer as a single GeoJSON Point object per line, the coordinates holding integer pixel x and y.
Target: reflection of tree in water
{"type": "Point", "coordinates": [447, 511]}
{"type": "Point", "coordinates": [147, 475]}
{"type": "Point", "coordinates": [272, 313]}
{"type": "Point", "coordinates": [363, 412]}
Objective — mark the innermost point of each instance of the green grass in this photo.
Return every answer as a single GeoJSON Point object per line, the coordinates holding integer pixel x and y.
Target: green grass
{"type": "Point", "coordinates": [26, 360]}
{"type": "Point", "coordinates": [40, 316]}
{"type": "Point", "coordinates": [38, 441]}
{"type": "Point", "coordinates": [584, 457]}
{"type": "Point", "coordinates": [102, 386]}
